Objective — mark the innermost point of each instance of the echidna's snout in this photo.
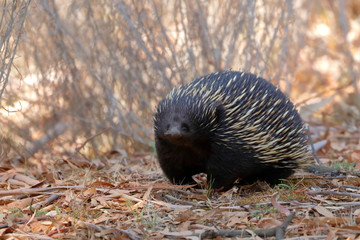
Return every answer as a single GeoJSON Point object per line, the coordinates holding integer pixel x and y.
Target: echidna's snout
{"type": "Point", "coordinates": [173, 132]}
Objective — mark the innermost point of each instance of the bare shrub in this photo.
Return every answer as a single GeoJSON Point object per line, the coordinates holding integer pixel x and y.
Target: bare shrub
{"type": "Point", "coordinates": [12, 18]}
{"type": "Point", "coordinates": [104, 65]}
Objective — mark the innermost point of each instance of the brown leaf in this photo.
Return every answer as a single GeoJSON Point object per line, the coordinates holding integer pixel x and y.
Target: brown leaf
{"type": "Point", "coordinates": [28, 180]}
{"type": "Point", "coordinates": [323, 211]}
{"type": "Point", "coordinates": [38, 227]}
{"type": "Point", "coordinates": [338, 145]}
{"type": "Point", "coordinates": [21, 204]}
{"type": "Point", "coordinates": [357, 165]}
{"type": "Point", "coordinates": [89, 191]}
{"type": "Point", "coordinates": [184, 226]}
{"type": "Point", "coordinates": [355, 156]}
{"type": "Point", "coordinates": [357, 213]}
{"type": "Point", "coordinates": [184, 216]}
{"type": "Point", "coordinates": [181, 234]}
{"type": "Point", "coordinates": [101, 183]}
{"type": "Point", "coordinates": [268, 223]}
{"type": "Point", "coordinates": [233, 221]}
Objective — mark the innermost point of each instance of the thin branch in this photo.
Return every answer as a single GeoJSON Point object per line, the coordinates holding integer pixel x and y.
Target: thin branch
{"type": "Point", "coordinates": [278, 232]}
{"type": "Point", "coordinates": [324, 192]}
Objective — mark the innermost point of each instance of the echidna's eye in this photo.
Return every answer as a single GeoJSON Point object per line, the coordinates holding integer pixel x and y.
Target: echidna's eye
{"type": "Point", "coordinates": [167, 127]}
{"type": "Point", "coordinates": [185, 127]}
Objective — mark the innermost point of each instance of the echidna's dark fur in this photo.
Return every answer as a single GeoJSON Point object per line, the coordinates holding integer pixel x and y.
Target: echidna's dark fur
{"type": "Point", "coordinates": [230, 125]}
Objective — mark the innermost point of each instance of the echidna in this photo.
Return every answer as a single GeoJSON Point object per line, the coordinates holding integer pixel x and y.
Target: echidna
{"type": "Point", "coordinates": [229, 125]}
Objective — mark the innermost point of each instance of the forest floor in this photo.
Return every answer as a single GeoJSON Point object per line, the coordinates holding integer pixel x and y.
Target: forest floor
{"type": "Point", "coordinates": [55, 196]}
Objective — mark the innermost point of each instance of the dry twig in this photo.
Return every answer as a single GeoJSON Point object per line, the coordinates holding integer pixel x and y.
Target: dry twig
{"type": "Point", "coordinates": [278, 232]}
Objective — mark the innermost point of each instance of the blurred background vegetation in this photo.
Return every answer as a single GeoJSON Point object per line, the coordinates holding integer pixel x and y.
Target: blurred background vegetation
{"type": "Point", "coordinates": [87, 74]}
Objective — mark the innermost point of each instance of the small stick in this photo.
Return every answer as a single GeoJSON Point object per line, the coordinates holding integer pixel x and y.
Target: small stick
{"type": "Point", "coordinates": [90, 138]}
{"type": "Point", "coordinates": [46, 202]}
{"type": "Point", "coordinates": [321, 192]}
{"type": "Point", "coordinates": [171, 198]}
{"type": "Point", "coordinates": [312, 146]}
{"type": "Point", "coordinates": [278, 232]}
{"type": "Point", "coordinates": [30, 191]}
{"type": "Point", "coordinates": [100, 228]}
